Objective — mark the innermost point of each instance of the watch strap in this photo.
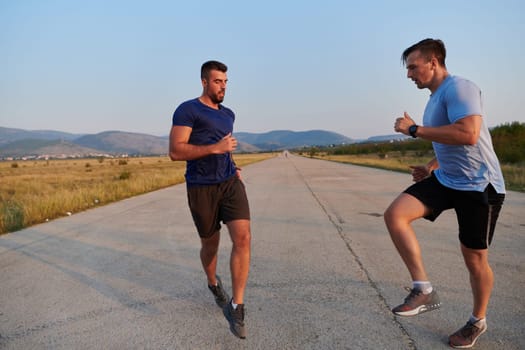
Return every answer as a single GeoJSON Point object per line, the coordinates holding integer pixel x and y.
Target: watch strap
{"type": "Point", "coordinates": [412, 130]}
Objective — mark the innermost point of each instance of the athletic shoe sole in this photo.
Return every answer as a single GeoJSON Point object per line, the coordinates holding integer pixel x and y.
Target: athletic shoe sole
{"type": "Point", "coordinates": [418, 310]}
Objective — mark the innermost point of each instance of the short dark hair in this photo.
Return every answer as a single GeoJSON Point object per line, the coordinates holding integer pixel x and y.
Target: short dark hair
{"type": "Point", "coordinates": [212, 65]}
{"type": "Point", "coordinates": [428, 48]}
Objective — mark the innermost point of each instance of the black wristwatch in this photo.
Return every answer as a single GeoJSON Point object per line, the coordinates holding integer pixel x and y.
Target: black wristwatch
{"type": "Point", "coordinates": [412, 130]}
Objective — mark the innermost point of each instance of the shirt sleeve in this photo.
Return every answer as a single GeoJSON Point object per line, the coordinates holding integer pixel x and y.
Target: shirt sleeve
{"type": "Point", "coordinates": [183, 116]}
{"type": "Point", "coordinates": [463, 100]}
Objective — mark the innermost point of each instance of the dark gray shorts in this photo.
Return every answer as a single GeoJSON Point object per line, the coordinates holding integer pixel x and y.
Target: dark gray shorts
{"type": "Point", "coordinates": [211, 204]}
{"type": "Point", "coordinates": [477, 212]}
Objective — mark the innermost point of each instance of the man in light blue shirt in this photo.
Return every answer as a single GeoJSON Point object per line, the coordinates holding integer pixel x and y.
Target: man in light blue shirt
{"type": "Point", "coordinates": [469, 167]}
{"type": "Point", "coordinates": [465, 176]}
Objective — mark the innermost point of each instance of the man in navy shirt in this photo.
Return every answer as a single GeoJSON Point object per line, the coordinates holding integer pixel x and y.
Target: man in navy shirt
{"type": "Point", "coordinates": [201, 135]}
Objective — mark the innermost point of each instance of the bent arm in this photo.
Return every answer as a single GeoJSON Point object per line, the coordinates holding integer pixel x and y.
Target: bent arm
{"type": "Point", "coordinates": [463, 132]}
{"type": "Point", "coordinates": [181, 149]}
{"type": "Point", "coordinates": [420, 172]}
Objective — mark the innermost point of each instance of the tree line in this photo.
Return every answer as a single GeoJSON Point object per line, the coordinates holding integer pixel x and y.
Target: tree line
{"type": "Point", "coordinates": [508, 140]}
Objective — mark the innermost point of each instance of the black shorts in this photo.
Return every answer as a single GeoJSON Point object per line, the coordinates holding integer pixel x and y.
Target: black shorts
{"type": "Point", "coordinates": [477, 212]}
{"type": "Point", "coordinates": [211, 204]}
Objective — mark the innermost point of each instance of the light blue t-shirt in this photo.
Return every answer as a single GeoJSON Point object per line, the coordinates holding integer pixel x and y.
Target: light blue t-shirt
{"type": "Point", "coordinates": [462, 167]}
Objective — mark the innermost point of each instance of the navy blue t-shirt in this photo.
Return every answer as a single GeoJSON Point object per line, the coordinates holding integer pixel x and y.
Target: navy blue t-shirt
{"type": "Point", "coordinates": [209, 126]}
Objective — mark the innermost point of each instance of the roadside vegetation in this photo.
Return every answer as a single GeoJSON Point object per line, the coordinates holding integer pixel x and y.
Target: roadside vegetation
{"type": "Point", "coordinates": [508, 140]}
{"type": "Point", "coordinates": [33, 192]}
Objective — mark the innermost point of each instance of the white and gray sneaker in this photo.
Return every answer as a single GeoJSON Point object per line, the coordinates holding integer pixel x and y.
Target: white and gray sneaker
{"type": "Point", "coordinates": [416, 303]}
{"type": "Point", "coordinates": [466, 337]}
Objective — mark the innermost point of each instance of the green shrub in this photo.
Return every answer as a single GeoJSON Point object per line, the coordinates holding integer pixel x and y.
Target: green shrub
{"type": "Point", "coordinates": [12, 215]}
{"type": "Point", "coordinates": [124, 175]}
{"type": "Point", "coordinates": [509, 142]}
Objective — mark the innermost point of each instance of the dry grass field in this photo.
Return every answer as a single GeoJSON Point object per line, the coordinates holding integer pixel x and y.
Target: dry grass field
{"type": "Point", "coordinates": [33, 192]}
{"type": "Point", "coordinates": [514, 174]}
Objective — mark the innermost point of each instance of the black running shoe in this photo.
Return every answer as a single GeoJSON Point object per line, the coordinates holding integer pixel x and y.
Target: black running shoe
{"type": "Point", "coordinates": [221, 297]}
{"type": "Point", "coordinates": [236, 319]}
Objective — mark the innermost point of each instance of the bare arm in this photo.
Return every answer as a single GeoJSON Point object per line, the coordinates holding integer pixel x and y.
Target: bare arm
{"type": "Point", "coordinates": [420, 172]}
{"type": "Point", "coordinates": [181, 149]}
{"type": "Point", "coordinates": [463, 132]}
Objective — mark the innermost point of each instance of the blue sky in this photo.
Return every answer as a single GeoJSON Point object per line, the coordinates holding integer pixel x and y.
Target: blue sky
{"type": "Point", "coordinates": [92, 66]}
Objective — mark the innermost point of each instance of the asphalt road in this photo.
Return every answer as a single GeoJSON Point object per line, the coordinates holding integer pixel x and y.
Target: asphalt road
{"type": "Point", "coordinates": [324, 274]}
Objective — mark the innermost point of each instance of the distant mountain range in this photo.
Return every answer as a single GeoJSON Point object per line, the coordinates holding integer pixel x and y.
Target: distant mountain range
{"type": "Point", "coordinates": [16, 143]}
{"type": "Point", "coordinates": [55, 144]}
{"type": "Point", "coordinates": [286, 139]}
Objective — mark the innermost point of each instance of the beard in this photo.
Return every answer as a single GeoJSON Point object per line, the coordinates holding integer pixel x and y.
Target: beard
{"type": "Point", "coordinates": [218, 97]}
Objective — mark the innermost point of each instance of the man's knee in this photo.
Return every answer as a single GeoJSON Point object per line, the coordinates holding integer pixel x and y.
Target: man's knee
{"type": "Point", "coordinates": [403, 210]}
{"type": "Point", "coordinates": [242, 239]}
{"type": "Point", "coordinates": [394, 218]}
{"type": "Point", "coordinates": [476, 260]}
{"type": "Point", "coordinates": [389, 216]}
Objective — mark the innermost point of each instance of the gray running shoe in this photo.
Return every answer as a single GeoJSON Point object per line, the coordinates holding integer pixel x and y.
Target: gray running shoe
{"type": "Point", "coordinates": [466, 337]}
{"type": "Point", "coordinates": [236, 319]}
{"type": "Point", "coordinates": [221, 297]}
{"type": "Point", "coordinates": [416, 303]}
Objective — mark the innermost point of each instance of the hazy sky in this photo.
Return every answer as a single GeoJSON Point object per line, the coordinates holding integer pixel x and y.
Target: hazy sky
{"type": "Point", "coordinates": [92, 66]}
